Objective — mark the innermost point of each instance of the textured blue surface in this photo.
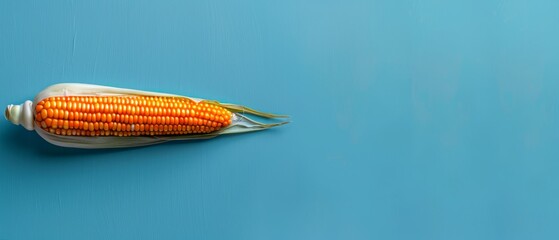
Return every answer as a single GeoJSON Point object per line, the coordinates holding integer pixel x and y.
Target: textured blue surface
{"type": "Point", "coordinates": [411, 120]}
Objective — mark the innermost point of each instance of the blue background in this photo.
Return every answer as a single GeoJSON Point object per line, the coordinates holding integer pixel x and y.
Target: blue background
{"type": "Point", "coordinates": [411, 120]}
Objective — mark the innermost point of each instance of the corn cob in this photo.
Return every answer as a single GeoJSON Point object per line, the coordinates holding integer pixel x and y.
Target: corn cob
{"type": "Point", "coordinates": [92, 116]}
{"type": "Point", "coordinates": [128, 116]}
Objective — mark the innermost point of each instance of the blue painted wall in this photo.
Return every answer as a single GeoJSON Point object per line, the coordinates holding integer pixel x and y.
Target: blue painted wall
{"type": "Point", "coordinates": [411, 120]}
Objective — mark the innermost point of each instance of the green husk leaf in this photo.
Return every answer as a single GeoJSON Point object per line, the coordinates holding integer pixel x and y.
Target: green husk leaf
{"type": "Point", "coordinates": [244, 110]}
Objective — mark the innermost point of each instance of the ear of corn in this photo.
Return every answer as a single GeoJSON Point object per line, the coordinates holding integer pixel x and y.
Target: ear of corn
{"type": "Point", "coordinates": [128, 116]}
{"type": "Point", "coordinates": [93, 116]}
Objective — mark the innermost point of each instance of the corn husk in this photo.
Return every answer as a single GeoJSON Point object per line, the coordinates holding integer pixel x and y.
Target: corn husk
{"type": "Point", "coordinates": [23, 115]}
